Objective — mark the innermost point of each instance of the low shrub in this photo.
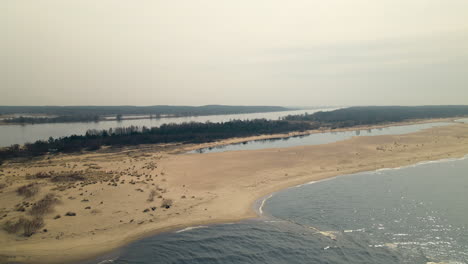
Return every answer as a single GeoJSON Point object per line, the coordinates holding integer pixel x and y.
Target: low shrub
{"type": "Point", "coordinates": [68, 177]}
{"type": "Point", "coordinates": [26, 226]}
{"type": "Point", "coordinates": [151, 195]}
{"type": "Point", "coordinates": [45, 205]}
{"type": "Point", "coordinates": [166, 203]}
{"type": "Point", "coordinates": [28, 190]}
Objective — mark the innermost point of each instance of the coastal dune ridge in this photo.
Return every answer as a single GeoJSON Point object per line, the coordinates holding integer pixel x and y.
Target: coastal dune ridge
{"type": "Point", "coordinates": [204, 188]}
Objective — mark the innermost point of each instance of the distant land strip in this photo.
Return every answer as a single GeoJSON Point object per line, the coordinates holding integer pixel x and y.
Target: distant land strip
{"type": "Point", "coordinates": [208, 132]}
{"type": "Point", "coordinates": [66, 114]}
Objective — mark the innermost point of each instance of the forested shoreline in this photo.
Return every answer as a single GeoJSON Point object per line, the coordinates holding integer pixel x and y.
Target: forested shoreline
{"type": "Point", "coordinates": [57, 119]}
{"type": "Point", "coordinates": [167, 133]}
{"type": "Point", "coordinates": [207, 132]}
{"type": "Point", "coordinates": [370, 115]}
{"type": "Point", "coordinates": [67, 114]}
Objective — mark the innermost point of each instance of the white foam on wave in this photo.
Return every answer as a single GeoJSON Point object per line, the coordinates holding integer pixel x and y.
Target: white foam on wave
{"type": "Point", "coordinates": [443, 262]}
{"type": "Point", "coordinates": [387, 169]}
{"type": "Point", "coordinates": [106, 261]}
{"type": "Point", "coordinates": [387, 245]}
{"type": "Point", "coordinates": [377, 246]}
{"type": "Point", "coordinates": [304, 184]}
{"type": "Point", "coordinates": [419, 164]}
{"type": "Point", "coordinates": [423, 244]}
{"type": "Point", "coordinates": [400, 235]}
{"type": "Point", "coordinates": [190, 228]}
{"type": "Point", "coordinates": [355, 230]}
{"type": "Point", "coordinates": [260, 209]}
{"type": "Point", "coordinates": [329, 234]}
{"type": "Point", "coordinates": [378, 171]}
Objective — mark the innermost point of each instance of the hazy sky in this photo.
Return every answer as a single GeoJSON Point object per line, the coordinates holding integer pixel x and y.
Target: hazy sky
{"type": "Point", "coordinates": [242, 52]}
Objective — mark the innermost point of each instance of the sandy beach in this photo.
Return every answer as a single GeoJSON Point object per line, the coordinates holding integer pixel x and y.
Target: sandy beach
{"type": "Point", "coordinates": [114, 197]}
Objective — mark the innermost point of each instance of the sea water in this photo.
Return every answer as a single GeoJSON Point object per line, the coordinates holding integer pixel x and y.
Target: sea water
{"type": "Point", "coordinates": [416, 214]}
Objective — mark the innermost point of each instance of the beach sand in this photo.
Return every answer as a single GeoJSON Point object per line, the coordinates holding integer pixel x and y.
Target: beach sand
{"type": "Point", "coordinates": [112, 207]}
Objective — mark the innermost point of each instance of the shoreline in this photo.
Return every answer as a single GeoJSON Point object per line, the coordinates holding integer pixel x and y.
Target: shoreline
{"type": "Point", "coordinates": [147, 117]}
{"type": "Point", "coordinates": [257, 174]}
{"type": "Point", "coordinates": [257, 205]}
{"type": "Point", "coordinates": [229, 141]}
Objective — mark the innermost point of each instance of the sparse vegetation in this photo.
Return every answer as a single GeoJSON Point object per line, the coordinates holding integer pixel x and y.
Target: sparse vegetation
{"type": "Point", "coordinates": [45, 205]}
{"type": "Point", "coordinates": [71, 176]}
{"type": "Point", "coordinates": [26, 226]}
{"type": "Point", "coordinates": [166, 203]}
{"type": "Point", "coordinates": [41, 175]}
{"type": "Point", "coordinates": [28, 190]}
{"type": "Point", "coordinates": [151, 195]}
{"type": "Point", "coordinates": [65, 178]}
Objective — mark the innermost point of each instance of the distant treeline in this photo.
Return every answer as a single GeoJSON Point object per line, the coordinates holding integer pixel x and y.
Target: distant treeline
{"type": "Point", "coordinates": [138, 110]}
{"type": "Point", "coordinates": [58, 119]}
{"type": "Point", "coordinates": [168, 133]}
{"type": "Point", "coordinates": [369, 115]}
{"type": "Point", "coordinates": [206, 132]}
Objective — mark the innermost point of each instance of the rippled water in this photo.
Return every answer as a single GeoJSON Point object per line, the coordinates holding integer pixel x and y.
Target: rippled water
{"type": "Point", "coordinates": [319, 138]}
{"type": "Point", "coordinates": [20, 134]}
{"type": "Point", "coordinates": [411, 215]}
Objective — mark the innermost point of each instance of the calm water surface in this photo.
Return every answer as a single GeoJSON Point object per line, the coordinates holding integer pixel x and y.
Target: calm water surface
{"type": "Point", "coordinates": [318, 138]}
{"type": "Point", "coordinates": [20, 134]}
{"type": "Point", "coordinates": [411, 215]}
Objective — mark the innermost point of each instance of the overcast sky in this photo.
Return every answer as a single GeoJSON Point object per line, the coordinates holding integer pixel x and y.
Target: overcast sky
{"type": "Point", "coordinates": [238, 52]}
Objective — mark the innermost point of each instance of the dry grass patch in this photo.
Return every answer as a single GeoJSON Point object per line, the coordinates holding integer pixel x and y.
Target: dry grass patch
{"type": "Point", "coordinates": [45, 205]}
{"type": "Point", "coordinates": [27, 227]}
{"type": "Point", "coordinates": [151, 195]}
{"type": "Point", "coordinates": [71, 176]}
{"type": "Point", "coordinates": [93, 166]}
{"type": "Point", "coordinates": [87, 176]}
{"type": "Point", "coordinates": [42, 175]}
{"type": "Point", "coordinates": [28, 190]}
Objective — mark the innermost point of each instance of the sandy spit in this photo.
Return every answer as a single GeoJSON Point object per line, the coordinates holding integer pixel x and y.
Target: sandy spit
{"type": "Point", "coordinates": [111, 196]}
